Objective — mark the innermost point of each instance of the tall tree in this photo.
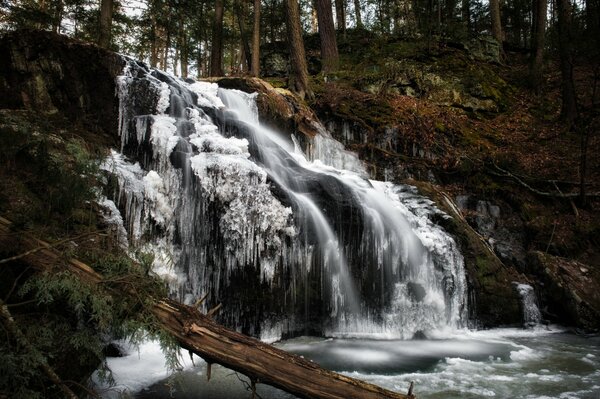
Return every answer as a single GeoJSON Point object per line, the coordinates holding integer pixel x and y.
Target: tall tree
{"type": "Point", "coordinates": [183, 46]}
{"type": "Point", "coordinates": [329, 50]}
{"type": "Point", "coordinates": [465, 10]}
{"type": "Point", "coordinates": [216, 53]}
{"type": "Point", "coordinates": [256, 40]}
{"type": "Point", "coordinates": [298, 77]}
{"type": "Point", "coordinates": [340, 15]}
{"type": "Point", "coordinates": [242, 12]}
{"type": "Point", "coordinates": [357, 15]}
{"type": "Point", "coordinates": [496, 21]}
{"type": "Point", "coordinates": [565, 47]}
{"type": "Point", "coordinates": [106, 14]}
{"type": "Point", "coordinates": [540, 8]}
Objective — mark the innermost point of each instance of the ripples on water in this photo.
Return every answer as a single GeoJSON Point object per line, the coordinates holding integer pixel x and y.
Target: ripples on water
{"type": "Point", "coordinates": [501, 363]}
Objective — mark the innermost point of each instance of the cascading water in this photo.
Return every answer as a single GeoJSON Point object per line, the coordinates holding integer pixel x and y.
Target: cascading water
{"type": "Point", "coordinates": [531, 313]}
{"type": "Point", "coordinates": [288, 245]}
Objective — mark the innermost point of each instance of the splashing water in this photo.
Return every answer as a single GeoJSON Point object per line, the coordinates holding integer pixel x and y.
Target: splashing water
{"type": "Point", "coordinates": [288, 243]}
{"type": "Point", "coordinates": [531, 313]}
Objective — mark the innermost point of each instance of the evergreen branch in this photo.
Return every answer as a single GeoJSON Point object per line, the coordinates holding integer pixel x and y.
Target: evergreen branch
{"type": "Point", "coordinates": [13, 329]}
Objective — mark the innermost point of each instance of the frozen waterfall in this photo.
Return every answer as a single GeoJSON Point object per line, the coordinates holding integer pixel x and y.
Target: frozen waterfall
{"type": "Point", "coordinates": [531, 313]}
{"type": "Point", "coordinates": [288, 243]}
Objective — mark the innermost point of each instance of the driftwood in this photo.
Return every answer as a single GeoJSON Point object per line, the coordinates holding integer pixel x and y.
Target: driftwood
{"type": "Point", "coordinates": [198, 333]}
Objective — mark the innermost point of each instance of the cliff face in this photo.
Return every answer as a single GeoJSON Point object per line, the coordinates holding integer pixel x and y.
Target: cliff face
{"type": "Point", "coordinates": [52, 75]}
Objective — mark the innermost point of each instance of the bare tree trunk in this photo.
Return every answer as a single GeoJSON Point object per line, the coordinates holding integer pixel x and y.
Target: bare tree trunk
{"type": "Point", "coordinates": [298, 77]}
{"type": "Point", "coordinates": [540, 8]}
{"type": "Point", "coordinates": [466, 14]}
{"type": "Point", "coordinates": [165, 60]}
{"type": "Point", "coordinates": [340, 15]}
{"type": "Point", "coordinates": [58, 14]}
{"type": "Point", "coordinates": [200, 62]}
{"type": "Point", "coordinates": [496, 21]}
{"type": "Point", "coordinates": [246, 59]}
{"type": "Point", "coordinates": [184, 54]}
{"type": "Point", "coordinates": [256, 40]}
{"type": "Point", "coordinates": [153, 43]}
{"type": "Point", "coordinates": [216, 54]}
{"type": "Point", "coordinates": [206, 64]}
{"type": "Point", "coordinates": [450, 8]}
{"type": "Point", "coordinates": [585, 139]}
{"type": "Point", "coordinates": [569, 100]}
{"type": "Point", "coordinates": [357, 15]}
{"type": "Point", "coordinates": [106, 14]}
{"type": "Point", "coordinates": [329, 50]}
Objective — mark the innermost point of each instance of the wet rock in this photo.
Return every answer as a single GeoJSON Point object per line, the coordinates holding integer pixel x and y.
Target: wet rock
{"type": "Point", "coordinates": [113, 349]}
{"type": "Point", "coordinates": [498, 225]}
{"type": "Point", "coordinates": [51, 73]}
{"type": "Point", "coordinates": [416, 291]}
{"type": "Point", "coordinates": [568, 295]}
{"type": "Point", "coordinates": [278, 108]}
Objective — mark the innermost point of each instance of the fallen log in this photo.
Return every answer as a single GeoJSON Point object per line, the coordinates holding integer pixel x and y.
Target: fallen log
{"type": "Point", "coordinates": [198, 333]}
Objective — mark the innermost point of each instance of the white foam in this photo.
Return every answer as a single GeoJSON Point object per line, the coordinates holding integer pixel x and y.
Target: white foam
{"type": "Point", "coordinates": [142, 366]}
{"type": "Point", "coordinates": [524, 354]}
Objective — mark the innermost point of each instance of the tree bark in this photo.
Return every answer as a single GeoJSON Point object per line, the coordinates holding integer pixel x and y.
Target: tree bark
{"type": "Point", "coordinates": [496, 21]}
{"type": "Point", "coordinates": [298, 77]}
{"type": "Point", "coordinates": [569, 101]}
{"type": "Point", "coordinates": [256, 40]}
{"type": "Point", "coordinates": [216, 53]}
{"type": "Point", "coordinates": [153, 43]}
{"type": "Point", "coordinates": [466, 14]}
{"type": "Point", "coordinates": [357, 14]}
{"type": "Point", "coordinates": [106, 14]}
{"type": "Point", "coordinates": [540, 8]}
{"type": "Point", "coordinates": [340, 15]}
{"type": "Point", "coordinates": [165, 60]}
{"type": "Point", "coordinates": [329, 50]}
{"type": "Point", "coordinates": [246, 58]}
{"type": "Point", "coordinates": [201, 335]}
{"type": "Point", "coordinates": [58, 15]}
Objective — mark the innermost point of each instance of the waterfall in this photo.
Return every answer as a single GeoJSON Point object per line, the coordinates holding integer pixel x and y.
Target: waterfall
{"type": "Point", "coordinates": [290, 243]}
{"type": "Point", "coordinates": [531, 313]}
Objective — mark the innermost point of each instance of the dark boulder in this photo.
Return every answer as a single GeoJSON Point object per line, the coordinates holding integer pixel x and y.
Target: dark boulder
{"type": "Point", "coordinates": [51, 73]}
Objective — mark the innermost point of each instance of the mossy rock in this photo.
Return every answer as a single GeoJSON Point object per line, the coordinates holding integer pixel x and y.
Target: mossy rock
{"type": "Point", "coordinates": [490, 281]}
{"type": "Point", "coordinates": [570, 290]}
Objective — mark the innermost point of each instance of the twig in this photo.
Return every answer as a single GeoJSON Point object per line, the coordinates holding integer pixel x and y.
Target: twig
{"type": "Point", "coordinates": [570, 201]}
{"type": "Point", "coordinates": [538, 192]}
{"type": "Point", "coordinates": [551, 236]}
{"type": "Point", "coordinates": [48, 246]}
{"type": "Point", "coordinates": [14, 286]}
{"type": "Point", "coordinates": [201, 300]}
{"type": "Point", "coordinates": [214, 310]}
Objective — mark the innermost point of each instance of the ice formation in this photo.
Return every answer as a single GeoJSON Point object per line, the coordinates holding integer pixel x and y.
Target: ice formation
{"type": "Point", "coordinates": [289, 243]}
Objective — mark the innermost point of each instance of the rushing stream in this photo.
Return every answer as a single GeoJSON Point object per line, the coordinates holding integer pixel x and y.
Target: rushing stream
{"type": "Point", "coordinates": [297, 241]}
{"type": "Point", "coordinates": [501, 363]}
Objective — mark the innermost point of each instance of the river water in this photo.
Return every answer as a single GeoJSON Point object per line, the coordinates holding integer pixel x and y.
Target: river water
{"type": "Point", "coordinates": [500, 363]}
